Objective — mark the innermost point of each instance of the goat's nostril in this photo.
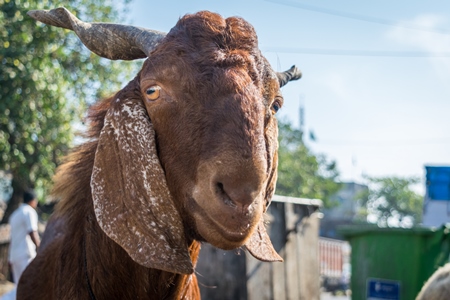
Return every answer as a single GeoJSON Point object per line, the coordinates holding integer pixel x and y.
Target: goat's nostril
{"type": "Point", "coordinates": [220, 191]}
{"type": "Point", "coordinates": [235, 195]}
{"type": "Point", "coordinates": [220, 187]}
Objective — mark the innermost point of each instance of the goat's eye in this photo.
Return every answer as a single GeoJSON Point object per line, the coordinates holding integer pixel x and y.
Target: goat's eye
{"type": "Point", "coordinates": [276, 105]}
{"type": "Point", "coordinates": [152, 93]}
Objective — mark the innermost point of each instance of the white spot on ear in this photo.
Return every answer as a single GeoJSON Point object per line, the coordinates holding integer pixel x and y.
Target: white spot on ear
{"type": "Point", "coordinates": [134, 207]}
{"type": "Point", "coordinates": [127, 109]}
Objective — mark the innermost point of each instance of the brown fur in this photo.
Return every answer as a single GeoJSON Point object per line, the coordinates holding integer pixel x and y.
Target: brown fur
{"type": "Point", "coordinates": [437, 286]}
{"type": "Point", "coordinates": [213, 120]}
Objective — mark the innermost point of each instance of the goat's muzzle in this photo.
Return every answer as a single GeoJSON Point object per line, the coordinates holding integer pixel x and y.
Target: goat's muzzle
{"type": "Point", "coordinates": [227, 201]}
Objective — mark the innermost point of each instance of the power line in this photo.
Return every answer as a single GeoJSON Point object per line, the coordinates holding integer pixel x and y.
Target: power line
{"type": "Point", "coordinates": [357, 16]}
{"type": "Point", "coordinates": [370, 53]}
{"type": "Point", "coordinates": [407, 142]}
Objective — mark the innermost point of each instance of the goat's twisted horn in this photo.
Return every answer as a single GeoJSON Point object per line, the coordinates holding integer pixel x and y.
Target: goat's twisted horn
{"type": "Point", "coordinates": [113, 41]}
{"type": "Point", "coordinates": [292, 74]}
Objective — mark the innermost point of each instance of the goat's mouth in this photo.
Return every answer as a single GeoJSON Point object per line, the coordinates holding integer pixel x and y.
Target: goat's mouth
{"type": "Point", "coordinates": [227, 228]}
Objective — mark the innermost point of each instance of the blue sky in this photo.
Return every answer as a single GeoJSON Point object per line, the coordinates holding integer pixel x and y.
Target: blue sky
{"type": "Point", "coordinates": [376, 74]}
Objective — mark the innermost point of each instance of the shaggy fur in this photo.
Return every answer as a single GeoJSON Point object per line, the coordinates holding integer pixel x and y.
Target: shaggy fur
{"type": "Point", "coordinates": [438, 285]}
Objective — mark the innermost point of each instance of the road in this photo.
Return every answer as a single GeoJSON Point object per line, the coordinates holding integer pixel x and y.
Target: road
{"type": "Point", "coordinates": [328, 296]}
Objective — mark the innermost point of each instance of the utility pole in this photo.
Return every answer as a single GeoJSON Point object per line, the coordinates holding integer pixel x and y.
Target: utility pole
{"type": "Point", "coordinates": [301, 116]}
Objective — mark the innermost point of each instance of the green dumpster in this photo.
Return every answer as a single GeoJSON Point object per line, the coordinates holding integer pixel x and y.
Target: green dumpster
{"type": "Point", "coordinates": [394, 263]}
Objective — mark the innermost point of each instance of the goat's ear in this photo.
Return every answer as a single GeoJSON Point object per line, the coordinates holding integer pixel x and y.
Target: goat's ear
{"type": "Point", "coordinates": [259, 244]}
{"type": "Point", "coordinates": [132, 202]}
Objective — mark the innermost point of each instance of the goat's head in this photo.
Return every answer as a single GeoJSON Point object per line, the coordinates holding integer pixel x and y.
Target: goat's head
{"type": "Point", "coordinates": [189, 147]}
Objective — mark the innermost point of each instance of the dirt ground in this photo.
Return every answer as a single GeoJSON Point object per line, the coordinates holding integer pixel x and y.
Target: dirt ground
{"type": "Point", "coordinates": [329, 296]}
{"type": "Point", "coordinates": [5, 286]}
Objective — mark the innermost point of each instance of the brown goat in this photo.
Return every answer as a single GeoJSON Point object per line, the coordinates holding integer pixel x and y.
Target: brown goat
{"type": "Point", "coordinates": [185, 153]}
{"type": "Point", "coordinates": [437, 286]}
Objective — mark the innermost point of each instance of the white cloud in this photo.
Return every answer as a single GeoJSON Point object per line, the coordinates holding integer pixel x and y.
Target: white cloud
{"type": "Point", "coordinates": [425, 41]}
{"type": "Point", "coordinates": [421, 39]}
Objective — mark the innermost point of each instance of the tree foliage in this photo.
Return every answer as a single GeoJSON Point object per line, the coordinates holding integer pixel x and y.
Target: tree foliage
{"type": "Point", "coordinates": [300, 172]}
{"type": "Point", "coordinates": [391, 202]}
{"type": "Point", "coordinates": [47, 79]}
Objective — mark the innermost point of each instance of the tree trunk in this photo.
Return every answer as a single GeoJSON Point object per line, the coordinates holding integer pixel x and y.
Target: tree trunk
{"type": "Point", "coordinates": [15, 201]}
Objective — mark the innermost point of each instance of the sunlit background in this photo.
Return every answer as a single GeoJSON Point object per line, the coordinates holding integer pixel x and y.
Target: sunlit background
{"type": "Point", "coordinates": [375, 86]}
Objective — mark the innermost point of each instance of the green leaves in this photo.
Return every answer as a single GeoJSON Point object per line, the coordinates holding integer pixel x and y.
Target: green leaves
{"type": "Point", "coordinates": [390, 201]}
{"type": "Point", "coordinates": [300, 172]}
{"type": "Point", "coordinates": [47, 80]}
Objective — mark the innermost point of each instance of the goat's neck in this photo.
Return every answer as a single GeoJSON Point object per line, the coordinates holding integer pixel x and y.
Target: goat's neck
{"type": "Point", "coordinates": [109, 268]}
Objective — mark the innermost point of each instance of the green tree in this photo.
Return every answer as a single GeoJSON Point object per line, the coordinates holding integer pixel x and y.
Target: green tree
{"type": "Point", "coordinates": [300, 172]}
{"type": "Point", "coordinates": [391, 202]}
{"type": "Point", "coordinates": [47, 79]}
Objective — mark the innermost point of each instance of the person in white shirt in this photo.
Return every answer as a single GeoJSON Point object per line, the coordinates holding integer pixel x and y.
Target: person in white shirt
{"type": "Point", "coordinates": [24, 235]}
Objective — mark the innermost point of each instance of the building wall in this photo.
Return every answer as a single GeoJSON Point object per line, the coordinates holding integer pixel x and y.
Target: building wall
{"type": "Point", "coordinates": [436, 206]}
{"type": "Point", "coordinates": [436, 213]}
{"type": "Point", "coordinates": [343, 212]}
